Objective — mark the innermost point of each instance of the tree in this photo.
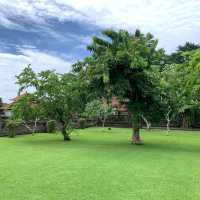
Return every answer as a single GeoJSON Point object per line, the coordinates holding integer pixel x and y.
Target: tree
{"type": "Point", "coordinates": [120, 65]}
{"type": "Point", "coordinates": [191, 66]}
{"type": "Point", "coordinates": [181, 58]}
{"type": "Point", "coordinates": [186, 78]}
{"type": "Point", "coordinates": [60, 95]}
{"type": "Point", "coordinates": [99, 109]}
{"type": "Point", "coordinates": [28, 109]}
{"type": "Point", "coordinates": [178, 57]}
{"type": "Point", "coordinates": [177, 90]}
{"type": "Point", "coordinates": [171, 93]}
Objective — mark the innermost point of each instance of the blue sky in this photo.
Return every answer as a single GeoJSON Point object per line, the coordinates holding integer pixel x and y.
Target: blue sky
{"type": "Point", "coordinates": [53, 34]}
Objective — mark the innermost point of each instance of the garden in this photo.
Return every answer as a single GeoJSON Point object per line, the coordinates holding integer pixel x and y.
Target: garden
{"type": "Point", "coordinates": [76, 161]}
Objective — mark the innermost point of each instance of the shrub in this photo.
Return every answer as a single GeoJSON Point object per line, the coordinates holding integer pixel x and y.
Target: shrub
{"type": "Point", "coordinates": [51, 126]}
{"type": "Point", "coordinates": [12, 125]}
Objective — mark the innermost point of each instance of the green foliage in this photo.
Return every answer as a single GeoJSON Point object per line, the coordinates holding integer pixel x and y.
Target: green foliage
{"type": "Point", "coordinates": [12, 125]}
{"type": "Point", "coordinates": [27, 108]}
{"type": "Point", "coordinates": [97, 109]}
{"type": "Point", "coordinates": [120, 65]}
{"type": "Point", "coordinates": [179, 85]}
{"type": "Point", "coordinates": [51, 126]}
{"type": "Point", "coordinates": [60, 95]}
{"type": "Point", "coordinates": [178, 57]}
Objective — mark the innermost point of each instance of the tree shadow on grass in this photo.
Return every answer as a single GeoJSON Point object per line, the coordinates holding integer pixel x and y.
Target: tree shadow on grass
{"type": "Point", "coordinates": [108, 144]}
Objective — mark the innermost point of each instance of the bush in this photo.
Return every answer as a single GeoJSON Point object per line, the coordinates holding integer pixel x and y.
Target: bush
{"type": "Point", "coordinates": [82, 123]}
{"type": "Point", "coordinates": [12, 125]}
{"type": "Point", "coordinates": [51, 126]}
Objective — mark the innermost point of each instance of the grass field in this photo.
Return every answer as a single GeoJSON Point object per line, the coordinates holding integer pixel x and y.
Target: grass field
{"type": "Point", "coordinates": [101, 165]}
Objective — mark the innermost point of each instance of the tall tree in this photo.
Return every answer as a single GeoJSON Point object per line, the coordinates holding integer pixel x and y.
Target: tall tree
{"type": "Point", "coordinates": [60, 95]}
{"type": "Point", "coordinates": [120, 65]}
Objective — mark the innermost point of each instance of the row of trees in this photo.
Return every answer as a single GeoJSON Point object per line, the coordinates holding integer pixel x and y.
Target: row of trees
{"type": "Point", "coordinates": [128, 66]}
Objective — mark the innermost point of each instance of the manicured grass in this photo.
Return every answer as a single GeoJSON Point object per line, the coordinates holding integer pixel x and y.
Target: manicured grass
{"type": "Point", "coordinates": [101, 165]}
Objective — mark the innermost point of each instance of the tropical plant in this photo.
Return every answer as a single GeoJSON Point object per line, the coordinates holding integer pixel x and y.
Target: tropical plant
{"type": "Point", "coordinates": [120, 65]}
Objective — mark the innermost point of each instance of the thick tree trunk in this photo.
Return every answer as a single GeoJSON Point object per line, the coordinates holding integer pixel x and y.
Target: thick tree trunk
{"type": "Point", "coordinates": [66, 136]}
{"type": "Point", "coordinates": [136, 130]}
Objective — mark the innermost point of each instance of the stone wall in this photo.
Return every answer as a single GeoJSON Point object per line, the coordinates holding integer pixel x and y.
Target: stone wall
{"type": "Point", "coordinates": [21, 129]}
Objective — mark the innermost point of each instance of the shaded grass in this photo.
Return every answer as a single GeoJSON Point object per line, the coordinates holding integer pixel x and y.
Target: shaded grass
{"type": "Point", "coordinates": [99, 164]}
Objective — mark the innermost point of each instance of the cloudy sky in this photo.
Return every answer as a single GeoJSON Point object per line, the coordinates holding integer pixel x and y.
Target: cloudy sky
{"type": "Point", "coordinates": [52, 34]}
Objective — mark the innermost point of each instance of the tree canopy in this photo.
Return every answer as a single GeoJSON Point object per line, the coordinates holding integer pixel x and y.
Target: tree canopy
{"type": "Point", "coordinates": [61, 95]}
{"type": "Point", "coordinates": [120, 65]}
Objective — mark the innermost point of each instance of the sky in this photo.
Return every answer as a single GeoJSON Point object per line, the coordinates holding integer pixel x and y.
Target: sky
{"type": "Point", "coordinates": [53, 34]}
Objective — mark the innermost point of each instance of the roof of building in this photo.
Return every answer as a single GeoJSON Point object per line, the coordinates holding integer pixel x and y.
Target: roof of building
{"type": "Point", "coordinates": [15, 99]}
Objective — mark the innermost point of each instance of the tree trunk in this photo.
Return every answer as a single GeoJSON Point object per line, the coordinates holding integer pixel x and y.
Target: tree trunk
{"type": "Point", "coordinates": [148, 124]}
{"type": "Point", "coordinates": [136, 130]}
{"type": "Point", "coordinates": [103, 122]}
{"type": "Point", "coordinates": [35, 126]}
{"type": "Point", "coordinates": [168, 126]}
{"type": "Point", "coordinates": [66, 136]}
{"type": "Point", "coordinates": [168, 118]}
{"type": "Point", "coordinates": [185, 121]}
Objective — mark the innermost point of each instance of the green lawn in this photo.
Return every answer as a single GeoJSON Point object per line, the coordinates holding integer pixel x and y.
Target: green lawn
{"type": "Point", "coordinates": [101, 165]}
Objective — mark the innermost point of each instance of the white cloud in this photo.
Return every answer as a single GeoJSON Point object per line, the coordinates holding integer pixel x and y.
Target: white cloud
{"type": "Point", "coordinates": [172, 21]}
{"type": "Point", "coordinates": [12, 65]}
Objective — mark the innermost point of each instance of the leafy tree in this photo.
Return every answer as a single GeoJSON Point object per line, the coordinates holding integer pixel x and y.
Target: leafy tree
{"type": "Point", "coordinates": [120, 65]}
{"type": "Point", "coordinates": [60, 95]}
{"type": "Point", "coordinates": [172, 93]}
{"type": "Point", "coordinates": [191, 66]}
{"type": "Point", "coordinates": [184, 78]}
{"type": "Point", "coordinates": [179, 88]}
{"type": "Point", "coordinates": [99, 109]}
{"type": "Point", "coordinates": [28, 109]}
{"type": "Point", "coordinates": [181, 57]}
{"type": "Point", "coordinates": [178, 57]}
